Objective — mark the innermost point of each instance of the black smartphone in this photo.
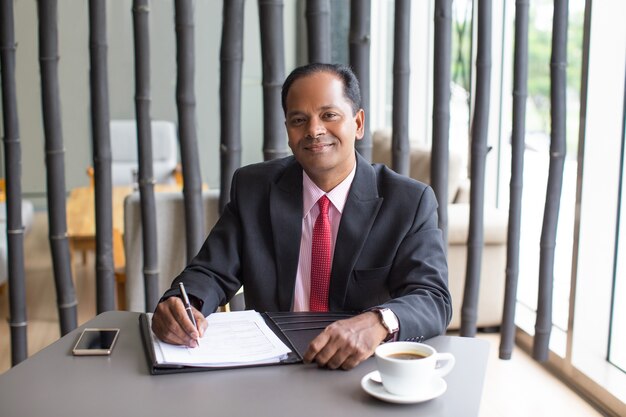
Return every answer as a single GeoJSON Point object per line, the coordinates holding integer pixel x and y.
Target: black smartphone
{"type": "Point", "coordinates": [96, 342]}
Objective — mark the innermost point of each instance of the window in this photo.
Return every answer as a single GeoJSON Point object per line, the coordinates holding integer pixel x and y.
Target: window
{"type": "Point", "coordinates": [617, 332]}
{"type": "Point", "coordinates": [588, 340]}
{"type": "Point", "coordinates": [586, 332]}
{"type": "Point", "coordinates": [536, 163]}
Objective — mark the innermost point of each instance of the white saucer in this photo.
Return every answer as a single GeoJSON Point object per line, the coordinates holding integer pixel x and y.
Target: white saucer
{"type": "Point", "coordinates": [376, 389]}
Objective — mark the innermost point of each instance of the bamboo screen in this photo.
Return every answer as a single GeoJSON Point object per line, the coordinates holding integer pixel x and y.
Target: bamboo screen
{"type": "Point", "coordinates": [317, 14]}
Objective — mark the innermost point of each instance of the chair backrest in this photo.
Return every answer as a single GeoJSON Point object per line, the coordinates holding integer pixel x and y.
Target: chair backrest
{"type": "Point", "coordinates": [124, 151]}
{"type": "Point", "coordinates": [419, 168]}
{"type": "Point", "coordinates": [171, 247]}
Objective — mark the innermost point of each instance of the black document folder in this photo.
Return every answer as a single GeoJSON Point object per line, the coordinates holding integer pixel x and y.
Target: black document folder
{"type": "Point", "coordinates": [295, 329]}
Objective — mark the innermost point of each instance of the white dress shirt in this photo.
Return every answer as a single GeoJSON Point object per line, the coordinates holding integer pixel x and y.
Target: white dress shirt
{"type": "Point", "coordinates": [310, 194]}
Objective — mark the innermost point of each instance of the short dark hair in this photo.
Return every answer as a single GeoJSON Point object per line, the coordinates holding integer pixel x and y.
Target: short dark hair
{"type": "Point", "coordinates": [351, 88]}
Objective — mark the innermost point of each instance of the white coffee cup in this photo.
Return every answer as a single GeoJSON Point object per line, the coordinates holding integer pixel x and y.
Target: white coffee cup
{"type": "Point", "coordinates": [408, 368]}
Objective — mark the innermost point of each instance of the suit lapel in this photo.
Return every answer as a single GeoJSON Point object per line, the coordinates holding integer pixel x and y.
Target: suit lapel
{"type": "Point", "coordinates": [286, 218]}
{"type": "Point", "coordinates": [357, 220]}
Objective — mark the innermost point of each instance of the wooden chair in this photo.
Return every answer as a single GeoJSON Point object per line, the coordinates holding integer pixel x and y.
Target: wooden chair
{"type": "Point", "coordinates": [124, 167]}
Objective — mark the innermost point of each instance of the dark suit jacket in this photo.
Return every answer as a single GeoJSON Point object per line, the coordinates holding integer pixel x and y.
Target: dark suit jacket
{"type": "Point", "coordinates": [389, 250]}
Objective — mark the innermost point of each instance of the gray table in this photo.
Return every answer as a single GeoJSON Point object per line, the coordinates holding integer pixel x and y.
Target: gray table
{"type": "Point", "coordinates": [53, 382]}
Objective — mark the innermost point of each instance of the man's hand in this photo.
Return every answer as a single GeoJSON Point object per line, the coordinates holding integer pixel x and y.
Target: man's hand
{"type": "Point", "coordinates": [346, 343]}
{"type": "Point", "coordinates": [171, 324]}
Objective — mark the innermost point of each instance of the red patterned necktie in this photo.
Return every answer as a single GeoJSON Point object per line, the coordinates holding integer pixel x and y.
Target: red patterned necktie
{"type": "Point", "coordinates": [320, 259]}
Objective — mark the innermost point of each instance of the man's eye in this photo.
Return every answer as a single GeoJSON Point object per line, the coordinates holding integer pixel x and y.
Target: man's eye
{"type": "Point", "coordinates": [330, 116]}
{"type": "Point", "coordinates": [296, 121]}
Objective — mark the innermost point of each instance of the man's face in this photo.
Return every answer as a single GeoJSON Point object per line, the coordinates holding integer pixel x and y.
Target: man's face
{"type": "Point", "coordinates": [321, 128]}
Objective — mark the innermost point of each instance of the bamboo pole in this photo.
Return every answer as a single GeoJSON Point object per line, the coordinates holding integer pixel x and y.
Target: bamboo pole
{"type": "Point", "coordinates": [401, 152]}
{"type": "Point", "coordinates": [480, 126]}
{"type": "Point", "coordinates": [231, 61]}
{"type": "Point", "coordinates": [55, 164]}
{"type": "Point", "coordinates": [558, 85]}
{"type": "Point", "coordinates": [440, 152]}
{"type": "Point", "coordinates": [187, 135]}
{"type": "Point", "coordinates": [470, 93]}
{"type": "Point", "coordinates": [360, 23]}
{"type": "Point", "coordinates": [101, 138]}
{"type": "Point", "coordinates": [12, 163]}
{"type": "Point", "coordinates": [273, 56]}
{"type": "Point", "coordinates": [141, 9]}
{"type": "Point", "coordinates": [520, 94]}
{"type": "Point", "coordinates": [317, 15]}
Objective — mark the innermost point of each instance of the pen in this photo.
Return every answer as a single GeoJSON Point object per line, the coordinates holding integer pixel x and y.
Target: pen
{"type": "Point", "coordinates": [187, 304]}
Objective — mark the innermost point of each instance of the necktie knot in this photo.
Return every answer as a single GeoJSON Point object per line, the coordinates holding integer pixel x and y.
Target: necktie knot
{"type": "Point", "coordinates": [323, 204]}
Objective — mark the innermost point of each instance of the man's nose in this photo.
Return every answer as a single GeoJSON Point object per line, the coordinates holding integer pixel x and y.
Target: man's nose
{"type": "Point", "coordinates": [316, 128]}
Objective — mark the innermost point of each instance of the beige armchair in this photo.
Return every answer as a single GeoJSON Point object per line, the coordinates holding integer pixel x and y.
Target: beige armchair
{"type": "Point", "coordinates": [171, 246]}
{"type": "Point", "coordinates": [124, 158]}
{"type": "Point", "coordinates": [491, 295]}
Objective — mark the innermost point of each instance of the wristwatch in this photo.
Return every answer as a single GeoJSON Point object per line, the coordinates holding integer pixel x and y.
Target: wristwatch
{"type": "Point", "coordinates": [389, 320]}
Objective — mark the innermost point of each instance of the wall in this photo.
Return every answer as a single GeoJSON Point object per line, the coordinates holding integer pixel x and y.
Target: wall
{"type": "Point", "coordinates": [73, 20]}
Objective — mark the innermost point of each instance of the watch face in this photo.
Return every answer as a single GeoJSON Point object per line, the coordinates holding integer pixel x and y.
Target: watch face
{"type": "Point", "coordinates": [389, 320]}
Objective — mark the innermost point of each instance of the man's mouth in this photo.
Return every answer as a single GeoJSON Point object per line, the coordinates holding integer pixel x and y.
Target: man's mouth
{"type": "Point", "coordinates": [318, 147]}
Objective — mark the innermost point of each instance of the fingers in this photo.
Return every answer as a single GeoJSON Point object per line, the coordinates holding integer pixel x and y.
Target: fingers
{"type": "Point", "coordinates": [171, 324]}
{"type": "Point", "coordinates": [335, 356]}
{"type": "Point", "coordinates": [316, 346]}
{"type": "Point", "coordinates": [345, 343]}
{"type": "Point", "coordinates": [200, 321]}
{"type": "Point", "coordinates": [334, 349]}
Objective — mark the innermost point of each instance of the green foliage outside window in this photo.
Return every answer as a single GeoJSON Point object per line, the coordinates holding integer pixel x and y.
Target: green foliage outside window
{"type": "Point", "coordinates": [539, 53]}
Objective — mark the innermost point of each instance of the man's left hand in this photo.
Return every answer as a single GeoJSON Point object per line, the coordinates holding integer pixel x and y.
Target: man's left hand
{"type": "Point", "coordinates": [346, 343]}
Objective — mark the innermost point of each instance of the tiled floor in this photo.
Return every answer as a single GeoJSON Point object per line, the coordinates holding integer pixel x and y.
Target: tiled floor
{"type": "Point", "coordinates": [519, 387]}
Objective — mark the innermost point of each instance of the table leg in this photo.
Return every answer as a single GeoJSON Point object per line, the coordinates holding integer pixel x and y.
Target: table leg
{"type": "Point", "coordinates": [120, 285]}
{"type": "Point", "coordinates": [119, 261]}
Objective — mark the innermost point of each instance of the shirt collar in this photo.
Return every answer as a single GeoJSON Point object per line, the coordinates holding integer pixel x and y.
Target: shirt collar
{"type": "Point", "coordinates": [337, 196]}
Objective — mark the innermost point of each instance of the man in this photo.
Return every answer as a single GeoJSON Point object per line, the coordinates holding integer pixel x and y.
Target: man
{"type": "Point", "coordinates": [386, 251]}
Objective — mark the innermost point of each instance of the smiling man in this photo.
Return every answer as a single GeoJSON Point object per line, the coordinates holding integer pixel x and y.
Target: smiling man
{"type": "Point", "coordinates": [322, 230]}
{"type": "Point", "coordinates": [322, 125]}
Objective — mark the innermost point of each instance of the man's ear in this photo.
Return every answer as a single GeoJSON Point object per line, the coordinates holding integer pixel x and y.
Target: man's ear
{"type": "Point", "coordinates": [359, 118]}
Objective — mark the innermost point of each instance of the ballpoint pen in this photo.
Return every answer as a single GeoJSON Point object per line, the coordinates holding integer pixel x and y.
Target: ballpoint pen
{"type": "Point", "coordinates": [187, 304]}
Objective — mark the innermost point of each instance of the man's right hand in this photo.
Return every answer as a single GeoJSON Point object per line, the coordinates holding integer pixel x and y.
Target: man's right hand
{"type": "Point", "coordinates": [171, 324]}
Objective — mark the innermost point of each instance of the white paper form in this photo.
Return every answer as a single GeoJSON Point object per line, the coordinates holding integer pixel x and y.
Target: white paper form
{"type": "Point", "coordinates": [232, 338]}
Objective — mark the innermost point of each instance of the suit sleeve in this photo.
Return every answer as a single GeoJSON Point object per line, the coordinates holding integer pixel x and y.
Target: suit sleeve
{"type": "Point", "coordinates": [418, 280]}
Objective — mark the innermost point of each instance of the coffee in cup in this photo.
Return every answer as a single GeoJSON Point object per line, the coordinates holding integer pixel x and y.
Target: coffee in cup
{"type": "Point", "coordinates": [407, 368]}
{"type": "Point", "coordinates": [406, 355]}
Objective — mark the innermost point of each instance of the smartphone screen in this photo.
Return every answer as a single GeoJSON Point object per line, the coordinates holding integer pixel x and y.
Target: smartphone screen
{"type": "Point", "coordinates": [96, 342]}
